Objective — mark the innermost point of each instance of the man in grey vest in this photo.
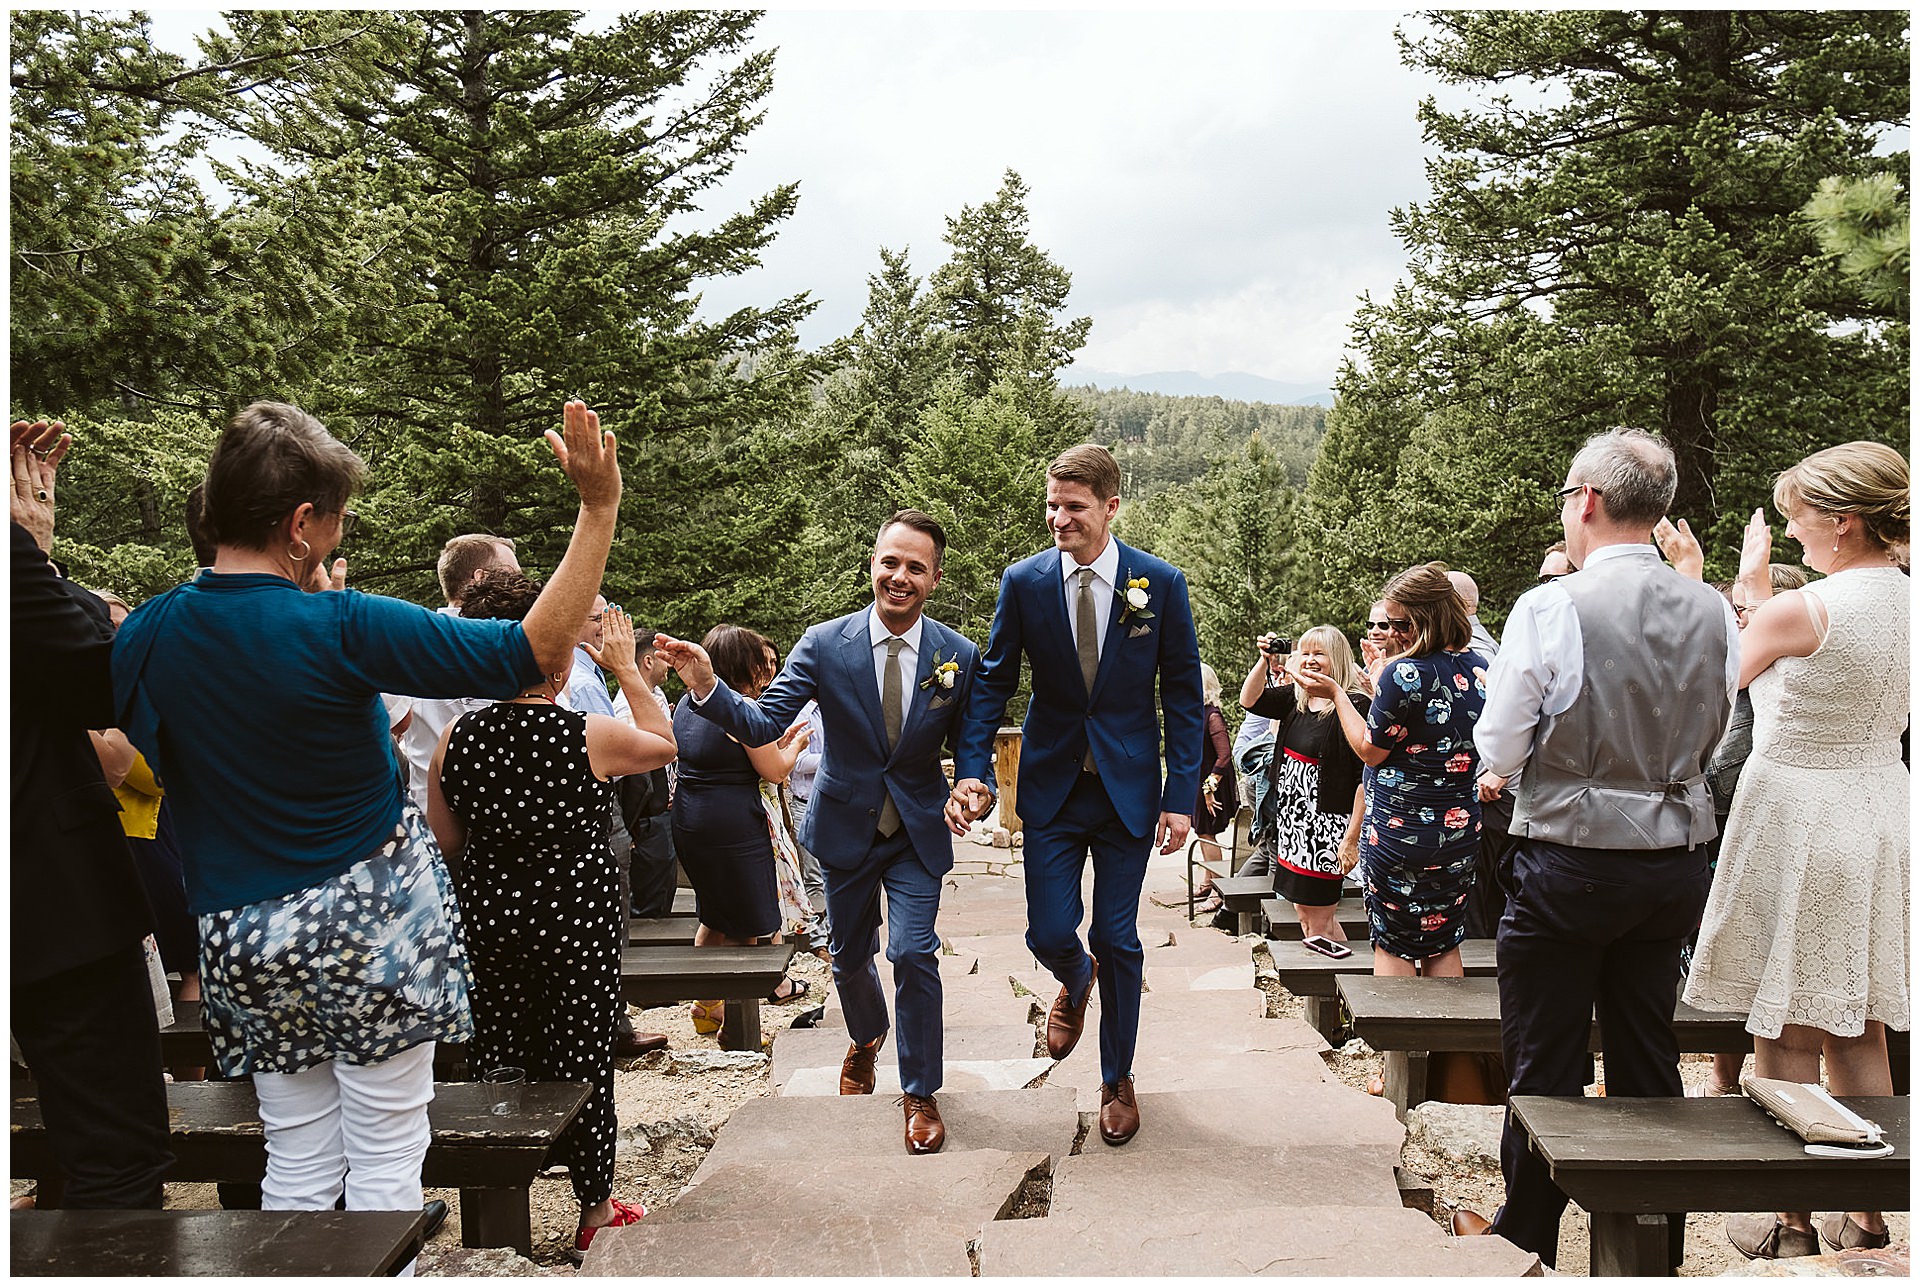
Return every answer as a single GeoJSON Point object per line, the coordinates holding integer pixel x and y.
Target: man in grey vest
{"type": "Point", "coordinates": [1613, 685]}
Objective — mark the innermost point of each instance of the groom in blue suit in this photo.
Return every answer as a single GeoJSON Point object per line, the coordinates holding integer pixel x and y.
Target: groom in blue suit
{"type": "Point", "coordinates": [892, 684]}
{"type": "Point", "coordinates": [1100, 623]}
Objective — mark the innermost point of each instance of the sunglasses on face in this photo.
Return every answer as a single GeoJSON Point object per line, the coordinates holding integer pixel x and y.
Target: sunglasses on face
{"type": "Point", "coordinates": [1402, 624]}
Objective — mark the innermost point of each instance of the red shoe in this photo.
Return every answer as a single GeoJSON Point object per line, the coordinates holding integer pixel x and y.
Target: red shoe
{"type": "Point", "coordinates": [623, 1213]}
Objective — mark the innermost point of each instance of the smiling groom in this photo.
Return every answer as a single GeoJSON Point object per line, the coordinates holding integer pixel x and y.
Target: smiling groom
{"type": "Point", "coordinates": [892, 684]}
{"type": "Point", "coordinates": [1101, 624]}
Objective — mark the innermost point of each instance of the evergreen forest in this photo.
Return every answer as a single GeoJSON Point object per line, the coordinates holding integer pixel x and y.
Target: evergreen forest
{"type": "Point", "coordinates": [447, 223]}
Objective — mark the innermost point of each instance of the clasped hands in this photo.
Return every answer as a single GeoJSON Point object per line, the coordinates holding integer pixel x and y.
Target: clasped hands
{"type": "Point", "coordinates": [969, 801]}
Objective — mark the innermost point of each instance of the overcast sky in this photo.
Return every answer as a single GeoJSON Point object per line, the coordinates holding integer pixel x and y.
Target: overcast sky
{"type": "Point", "coordinates": [1218, 184]}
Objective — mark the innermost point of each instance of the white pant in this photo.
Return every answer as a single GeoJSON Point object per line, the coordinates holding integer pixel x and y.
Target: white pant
{"type": "Point", "coordinates": [364, 1124]}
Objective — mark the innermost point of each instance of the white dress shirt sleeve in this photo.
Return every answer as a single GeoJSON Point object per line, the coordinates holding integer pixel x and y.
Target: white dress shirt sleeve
{"type": "Point", "coordinates": [1538, 673]}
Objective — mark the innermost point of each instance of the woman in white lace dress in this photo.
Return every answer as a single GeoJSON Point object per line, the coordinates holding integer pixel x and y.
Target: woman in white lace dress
{"type": "Point", "coordinates": [1806, 927]}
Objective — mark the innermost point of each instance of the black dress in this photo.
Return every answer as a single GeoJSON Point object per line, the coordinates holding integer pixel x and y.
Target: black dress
{"type": "Point", "coordinates": [540, 896]}
{"type": "Point", "coordinates": [720, 830]}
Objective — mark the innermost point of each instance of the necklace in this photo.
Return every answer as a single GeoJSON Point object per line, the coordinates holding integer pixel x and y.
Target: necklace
{"type": "Point", "coordinates": [535, 697]}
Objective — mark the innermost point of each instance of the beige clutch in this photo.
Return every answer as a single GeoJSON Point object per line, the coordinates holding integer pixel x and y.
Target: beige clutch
{"type": "Point", "coordinates": [1815, 1116]}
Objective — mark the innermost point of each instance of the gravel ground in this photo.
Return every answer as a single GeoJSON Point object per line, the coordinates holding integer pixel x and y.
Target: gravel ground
{"type": "Point", "coordinates": [1460, 1184]}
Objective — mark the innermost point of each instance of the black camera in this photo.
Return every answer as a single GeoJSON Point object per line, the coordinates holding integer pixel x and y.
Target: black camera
{"type": "Point", "coordinates": [1278, 646]}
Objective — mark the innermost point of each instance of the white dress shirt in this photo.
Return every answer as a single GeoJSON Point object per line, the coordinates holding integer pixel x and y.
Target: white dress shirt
{"type": "Point", "coordinates": [431, 715]}
{"type": "Point", "coordinates": [878, 635]}
{"type": "Point", "coordinates": [1106, 582]}
{"type": "Point", "coordinates": [1542, 666]}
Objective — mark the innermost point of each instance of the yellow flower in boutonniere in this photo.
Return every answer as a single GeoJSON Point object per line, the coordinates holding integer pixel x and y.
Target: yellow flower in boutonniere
{"type": "Point", "coordinates": [1134, 599]}
{"type": "Point", "coordinates": [943, 674]}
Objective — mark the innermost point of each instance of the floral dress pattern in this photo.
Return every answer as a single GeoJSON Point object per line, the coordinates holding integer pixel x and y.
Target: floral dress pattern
{"type": "Point", "coordinates": [1422, 825]}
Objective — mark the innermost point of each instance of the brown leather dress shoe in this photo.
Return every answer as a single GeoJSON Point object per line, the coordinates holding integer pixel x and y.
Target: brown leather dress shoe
{"type": "Point", "coordinates": [926, 1133]}
{"type": "Point", "coordinates": [1066, 1021]}
{"type": "Point", "coordinates": [856, 1070]}
{"type": "Point", "coordinates": [631, 1045]}
{"type": "Point", "coordinates": [1468, 1224]}
{"type": "Point", "coordinates": [1119, 1115]}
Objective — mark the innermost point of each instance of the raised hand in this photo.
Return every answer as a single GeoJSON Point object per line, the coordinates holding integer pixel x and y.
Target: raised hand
{"type": "Point", "coordinates": [35, 450]}
{"type": "Point", "coordinates": [690, 660]}
{"type": "Point", "coordinates": [1681, 547]}
{"type": "Point", "coordinates": [1756, 552]}
{"type": "Point", "coordinates": [587, 455]}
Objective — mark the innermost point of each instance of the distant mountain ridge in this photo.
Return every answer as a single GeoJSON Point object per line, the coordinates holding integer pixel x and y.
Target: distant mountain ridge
{"type": "Point", "coordinates": [1236, 386]}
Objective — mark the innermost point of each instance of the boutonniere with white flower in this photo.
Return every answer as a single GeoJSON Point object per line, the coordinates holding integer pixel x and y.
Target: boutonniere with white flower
{"type": "Point", "coordinates": [943, 674]}
{"type": "Point", "coordinates": [1134, 598]}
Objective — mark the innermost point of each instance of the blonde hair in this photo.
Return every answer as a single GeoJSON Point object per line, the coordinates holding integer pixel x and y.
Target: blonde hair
{"type": "Point", "coordinates": [1867, 479]}
{"type": "Point", "coordinates": [1339, 654]}
{"type": "Point", "coordinates": [1209, 686]}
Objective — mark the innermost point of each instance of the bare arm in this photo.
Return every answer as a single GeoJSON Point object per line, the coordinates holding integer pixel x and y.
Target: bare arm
{"type": "Point", "coordinates": [1352, 723]}
{"type": "Point", "coordinates": [1350, 842]}
{"type": "Point", "coordinates": [1780, 627]}
{"type": "Point", "coordinates": [587, 455]}
{"type": "Point", "coordinates": [448, 831]}
{"type": "Point", "coordinates": [1257, 679]}
{"type": "Point", "coordinates": [616, 749]}
{"type": "Point", "coordinates": [115, 752]}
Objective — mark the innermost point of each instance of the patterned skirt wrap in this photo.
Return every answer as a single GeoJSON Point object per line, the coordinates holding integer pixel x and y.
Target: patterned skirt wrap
{"type": "Point", "coordinates": [1306, 849]}
{"type": "Point", "coordinates": [358, 968]}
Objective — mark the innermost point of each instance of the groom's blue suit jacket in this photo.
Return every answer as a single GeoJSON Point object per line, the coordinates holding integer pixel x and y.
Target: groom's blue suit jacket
{"type": "Point", "coordinates": [833, 665]}
{"type": "Point", "coordinates": [1119, 718]}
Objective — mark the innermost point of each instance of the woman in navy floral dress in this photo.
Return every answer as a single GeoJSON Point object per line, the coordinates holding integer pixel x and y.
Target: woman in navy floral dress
{"type": "Point", "coordinates": [1422, 826]}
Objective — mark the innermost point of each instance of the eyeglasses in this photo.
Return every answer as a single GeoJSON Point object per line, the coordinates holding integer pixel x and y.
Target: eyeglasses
{"type": "Point", "coordinates": [1402, 624]}
{"type": "Point", "coordinates": [1742, 609]}
{"type": "Point", "coordinates": [348, 521]}
{"type": "Point", "coordinates": [1571, 488]}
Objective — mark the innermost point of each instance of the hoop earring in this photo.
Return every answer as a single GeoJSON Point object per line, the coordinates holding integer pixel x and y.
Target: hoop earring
{"type": "Point", "coordinates": [302, 556]}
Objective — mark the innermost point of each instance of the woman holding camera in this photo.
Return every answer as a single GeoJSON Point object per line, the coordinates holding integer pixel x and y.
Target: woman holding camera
{"type": "Point", "coordinates": [1422, 827]}
{"type": "Point", "coordinates": [1315, 776]}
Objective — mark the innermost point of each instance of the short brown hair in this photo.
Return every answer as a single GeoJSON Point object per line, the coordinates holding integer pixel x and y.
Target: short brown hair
{"type": "Point", "coordinates": [922, 522]}
{"type": "Point", "coordinates": [269, 461]}
{"type": "Point", "coordinates": [1091, 465]}
{"type": "Point", "coordinates": [738, 654]}
{"type": "Point", "coordinates": [1438, 613]}
{"type": "Point", "coordinates": [463, 557]}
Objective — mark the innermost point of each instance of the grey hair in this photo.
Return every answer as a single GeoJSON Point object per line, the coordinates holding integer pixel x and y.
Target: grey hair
{"type": "Point", "coordinates": [1209, 686]}
{"type": "Point", "coordinates": [1633, 471]}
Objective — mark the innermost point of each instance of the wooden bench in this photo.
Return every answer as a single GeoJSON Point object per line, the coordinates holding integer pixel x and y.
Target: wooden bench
{"type": "Point", "coordinates": [1408, 1019]}
{"type": "Point", "coordinates": [660, 931]}
{"type": "Point", "coordinates": [147, 1244]}
{"type": "Point", "coordinates": [1630, 1163]}
{"type": "Point", "coordinates": [1243, 896]}
{"type": "Point", "coordinates": [683, 903]}
{"type": "Point", "coordinates": [1283, 922]}
{"type": "Point", "coordinates": [1314, 978]}
{"type": "Point", "coordinates": [741, 976]}
{"type": "Point", "coordinates": [216, 1135]}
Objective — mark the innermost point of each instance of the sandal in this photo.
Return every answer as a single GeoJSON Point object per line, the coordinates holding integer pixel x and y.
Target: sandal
{"type": "Point", "coordinates": [796, 988]}
{"type": "Point", "coordinates": [1842, 1234]}
{"type": "Point", "coordinates": [708, 1016]}
{"type": "Point", "coordinates": [623, 1213]}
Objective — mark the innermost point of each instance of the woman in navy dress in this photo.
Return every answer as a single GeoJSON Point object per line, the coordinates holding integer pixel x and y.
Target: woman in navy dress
{"type": "Point", "coordinates": [1422, 825]}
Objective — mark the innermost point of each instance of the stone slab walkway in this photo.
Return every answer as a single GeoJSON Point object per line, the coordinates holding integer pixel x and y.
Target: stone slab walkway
{"type": "Point", "coordinates": [1252, 1159]}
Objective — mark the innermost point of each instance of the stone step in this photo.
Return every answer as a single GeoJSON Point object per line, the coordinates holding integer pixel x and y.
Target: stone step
{"type": "Point", "coordinates": [1166, 1181]}
{"type": "Point", "coordinates": [796, 1048]}
{"type": "Point", "coordinates": [1164, 1073]}
{"type": "Point", "coordinates": [966, 1188]}
{"type": "Point", "coordinates": [956, 1075]}
{"type": "Point", "coordinates": [855, 1244]}
{"type": "Point", "coordinates": [1186, 978]}
{"type": "Point", "coordinates": [1290, 1113]}
{"type": "Point", "coordinates": [1268, 1241]}
{"type": "Point", "coordinates": [812, 1130]}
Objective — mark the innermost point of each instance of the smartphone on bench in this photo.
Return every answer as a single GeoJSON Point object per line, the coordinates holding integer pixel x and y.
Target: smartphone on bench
{"type": "Point", "coordinates": [1325, 946]}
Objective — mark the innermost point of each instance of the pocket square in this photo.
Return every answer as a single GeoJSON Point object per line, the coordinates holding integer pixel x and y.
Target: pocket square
{"type": "Point", "coordinates": [1137, 631]}
{"type": "Point", "coordinates": [938, 702]}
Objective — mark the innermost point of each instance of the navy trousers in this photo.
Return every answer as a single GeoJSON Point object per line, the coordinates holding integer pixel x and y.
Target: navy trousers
{"type": "Point", "coordinates": [1056, 854]}
{"type": "Point", "coordinates": [1587, 929]}
{"type": "Point", "coordinates": [913, 947]}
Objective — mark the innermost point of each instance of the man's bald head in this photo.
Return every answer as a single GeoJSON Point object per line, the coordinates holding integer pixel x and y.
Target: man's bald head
{"type": "Point", "coordinates": [1469, 592]}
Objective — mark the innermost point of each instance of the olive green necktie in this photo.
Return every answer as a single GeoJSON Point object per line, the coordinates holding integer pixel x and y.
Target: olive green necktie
{"type": "Point", "coordinates": [890, 704]}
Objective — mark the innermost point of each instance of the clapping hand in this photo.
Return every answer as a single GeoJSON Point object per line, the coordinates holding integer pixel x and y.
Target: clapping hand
{"type": "Point", "coordinates": [35, 450]}
{"type": "Point", "coordinates": [1756, 553]}
{"type": "Point", "coordinates": [800, 731]}
{"type": "Point", "coordinates": [1681, 547]}
{"type": "Point", "coordinates": [690, 660]}
{"type": "Point", "coordinates": [616, 651]}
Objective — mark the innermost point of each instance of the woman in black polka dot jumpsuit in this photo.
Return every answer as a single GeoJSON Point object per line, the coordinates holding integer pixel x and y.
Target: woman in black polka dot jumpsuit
{"type": "Point", "coordinates": [520, 792]}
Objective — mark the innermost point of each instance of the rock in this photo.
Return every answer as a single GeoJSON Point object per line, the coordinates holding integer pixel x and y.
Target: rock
{"type": "Point", "coordinates": [684, 1127]}
{"type": "Point", "coordinates": [1466, 1133]}
{"type": "Point", "coordinates": [858, 1244]}
{"type": "Point", "coordinates": [967, 1188]}
{"type": "Point", "coordinates": [1019, 839]}
{"type": "Point", "coordinates": [1886, 1262]}
{"type": "Point", "coordinates": [1164, 1182]}
{"type": "Point", "coordinates": [1002, 838]}
{"type": "Point", "coordinates": [682, 1063]}
{"type": "Point", "coordinates": [455, 1261]}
